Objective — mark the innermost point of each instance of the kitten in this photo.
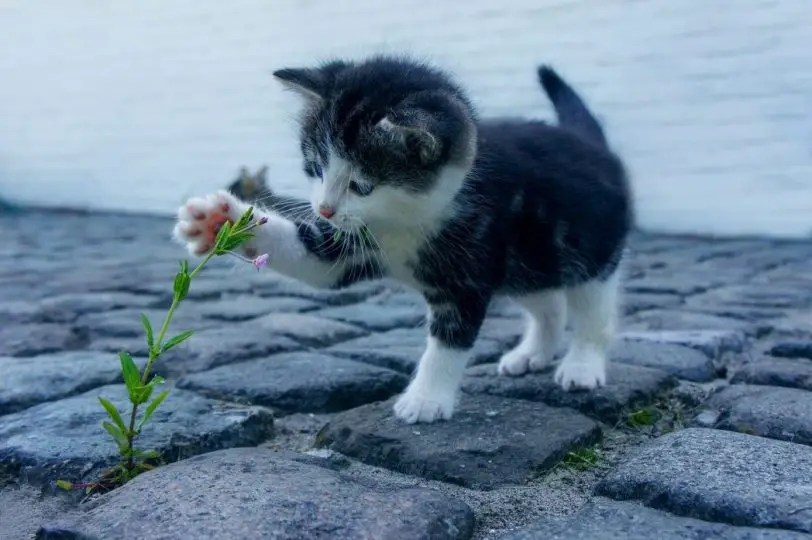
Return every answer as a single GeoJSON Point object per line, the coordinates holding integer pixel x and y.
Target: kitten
{"type": "Point", "coordinates": [460, 209]}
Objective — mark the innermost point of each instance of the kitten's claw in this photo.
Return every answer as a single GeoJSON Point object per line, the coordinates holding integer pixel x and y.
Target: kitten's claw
{"type": "Point", "coordinates": [200, 219]}
{"type": "Point", "coordinates": [584, 371]}
{"type": "Point", "coordinates": [412, 407]}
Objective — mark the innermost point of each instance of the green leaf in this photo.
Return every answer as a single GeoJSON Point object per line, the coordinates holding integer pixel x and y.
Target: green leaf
{"type": "Point", "coordinates": [148, 328]}
{"type": "Point", "coordinates": [132, 377]}
{"type": "Point", "coordinates": [117, 434]}
{"type": "Point", "coordinates": [151, 454]}
{"type": "Point", "coordinates": [177, 340]}
{"type": "Point", "coordinates": [222, 236]}
{"type": "Point", "coordinates": [337, 235]}
{"type": "Point", "coordinates": [181, 284]}
{"type": "Point", "coordinates": [114, 414]}
{"type": "Point", "coordinates": [244, 220]}
{"type": "Point", "coordinates": [151, 409]}
{"type": "Point", "coordinates": [144, 393]}
{"type": "Point", "coordinates": [237, 239]}
{"type": "Point", "coordinates": [64, 484]}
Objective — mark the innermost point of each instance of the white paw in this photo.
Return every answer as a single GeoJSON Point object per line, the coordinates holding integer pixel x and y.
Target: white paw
{"type": "Point", "coordinates": [200, 219]}
{"type": "Point", "coordinates": [581, 370]}
{"type": "Point", "coordinates": [419, 406]}
{"type": "Point", "coordinates": [521, 360]}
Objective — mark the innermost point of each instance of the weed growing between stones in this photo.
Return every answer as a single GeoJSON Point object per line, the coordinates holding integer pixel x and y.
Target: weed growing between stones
{"type": "Point", "coordinates": [140, 384]}
{"type": "Point", "coordinates": [582, 459]}
{"type": "Point", "coordinates": [664, 416]}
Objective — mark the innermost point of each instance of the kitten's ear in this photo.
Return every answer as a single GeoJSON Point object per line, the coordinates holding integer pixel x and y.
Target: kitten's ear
{"type": "Point", "coordinates": [307, 82]}
{"type": "Point", "coordinates": [312, 83]}
{"type": "Point", "coordinates": [413, 134]}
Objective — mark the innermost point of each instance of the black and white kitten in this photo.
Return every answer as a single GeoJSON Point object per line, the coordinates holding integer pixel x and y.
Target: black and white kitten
{"type": "Point", "coordinates": [459, 208]}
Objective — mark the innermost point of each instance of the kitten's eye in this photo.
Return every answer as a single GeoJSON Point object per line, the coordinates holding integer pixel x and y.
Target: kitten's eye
{"type": "Point", "coordinates": [362, 190]}
{"type": "Point", "coordinates": [317, 170]}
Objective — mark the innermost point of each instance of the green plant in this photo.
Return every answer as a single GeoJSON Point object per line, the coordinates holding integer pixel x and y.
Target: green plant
{"type": "Point", "coordinates": [665, 415]}
{"type": "Point", "coordinates": [141, 384]}
{"type": "Point", "coordinates": [364, 236]}
{"type": "Point", "coordinates": [647, 416]}
{"type": "Point", "coordinates": [581, 459]}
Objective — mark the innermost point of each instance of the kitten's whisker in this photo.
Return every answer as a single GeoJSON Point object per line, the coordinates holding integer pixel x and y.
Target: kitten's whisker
{"type": "Point", "coordinates": [378, 245]}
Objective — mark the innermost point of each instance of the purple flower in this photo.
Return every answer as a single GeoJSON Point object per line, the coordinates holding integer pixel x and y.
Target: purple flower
{"type": "Point", "coordinates": [260, 262]}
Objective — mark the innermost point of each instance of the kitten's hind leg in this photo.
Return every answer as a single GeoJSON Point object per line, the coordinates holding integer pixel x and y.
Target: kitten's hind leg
{"type": "Point", "coordinates": [593, 309]}
{"type": "Point", "coordinates": [546, 318]}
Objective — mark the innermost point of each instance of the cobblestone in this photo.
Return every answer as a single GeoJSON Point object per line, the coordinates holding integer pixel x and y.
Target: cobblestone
{"type": "Point", "coordinates": [769, 371]}
{"type": "Point", "coordinates": [768, 411]}
{"type": "Point", "coordinates": [309, 330]}
{"type": "Point", "coordinates": [714, 343]}
{"type": "Point", "coordinates": [489, 441]}
{"type": "Point", "coordinates": [64, 439]}
{"type": "Point", "coordinates": [215, 347]}
{"type": "Point", "coordinates": [35, 339]}
{"type": "Point", "coordinates": [609, 520]}
{"type": "Point", "coordinates": [299, 382]}
{"type": "Point", "coordinates": [720, 476]}
{"type": "Point", "coordinates": [246, 307]}
{"type": "Point", "coordinates": [400, 349]}
{"type": "Point", "coordinates": [37, 379]}
{"type": "Point", "coordinates": [683, 362]}
{"type": "Point", "coordinates": [796, 349]}
{"type": "Point", "coordinates": [719, 329]}
{"type": "Point", "coordinates": [378, 317]}
{"type": "Point", "coordinates": [258, 493]}
{"type": "Point", "coordinates": [630, 387]}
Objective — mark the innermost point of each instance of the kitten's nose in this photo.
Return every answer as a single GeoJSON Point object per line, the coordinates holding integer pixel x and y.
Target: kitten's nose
{"type": "Point", "coordinates": [326, 211]}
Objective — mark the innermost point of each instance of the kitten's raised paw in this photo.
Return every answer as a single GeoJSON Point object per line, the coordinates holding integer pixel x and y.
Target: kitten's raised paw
{"type": "Point", "coordinates": [200, 219]}
{"type": "Point", "coordinates": [581, 371]}
{"type": "Point", "coordinates": [413, 408]}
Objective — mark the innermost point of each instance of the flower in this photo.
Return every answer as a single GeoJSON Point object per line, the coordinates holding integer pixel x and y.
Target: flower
{"type": "Point", "coordinates": [260, 262]}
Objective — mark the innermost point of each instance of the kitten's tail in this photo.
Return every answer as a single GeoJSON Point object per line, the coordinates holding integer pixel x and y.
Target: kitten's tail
{"type": "Point", "coordinates": [572, 112]}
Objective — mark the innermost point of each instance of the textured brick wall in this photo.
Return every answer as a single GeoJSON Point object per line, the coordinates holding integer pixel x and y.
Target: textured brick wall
{"type": "Point", "coordinates": [137, 105]}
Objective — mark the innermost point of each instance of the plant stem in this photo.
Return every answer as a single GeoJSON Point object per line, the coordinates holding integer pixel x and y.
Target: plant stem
{"type": "Point", "coordinates": [153, 355]}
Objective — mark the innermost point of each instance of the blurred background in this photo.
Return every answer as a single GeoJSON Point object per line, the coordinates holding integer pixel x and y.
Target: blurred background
{"type": "Point", "coordinates": [137, 106]}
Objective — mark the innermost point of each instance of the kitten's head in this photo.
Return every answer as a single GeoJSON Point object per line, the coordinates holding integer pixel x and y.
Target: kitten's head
{"type": "Point", "coordinates": [387, 140]}
{"type": "Point", "coordinates": [250, 187]}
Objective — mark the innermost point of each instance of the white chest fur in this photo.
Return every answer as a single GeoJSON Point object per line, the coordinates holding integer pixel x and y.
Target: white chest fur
{"type": "Point", "coordinates": [399, 252]}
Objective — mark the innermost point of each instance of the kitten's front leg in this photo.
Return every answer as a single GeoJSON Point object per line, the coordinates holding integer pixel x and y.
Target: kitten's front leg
{"type": "Point", "coordinates": [432, 393]}
{"type": "Point", "coordinates": [294, 249]}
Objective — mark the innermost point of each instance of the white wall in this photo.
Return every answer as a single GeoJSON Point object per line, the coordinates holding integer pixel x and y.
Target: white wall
{"type": "Point", "coordinates": [137, 105]}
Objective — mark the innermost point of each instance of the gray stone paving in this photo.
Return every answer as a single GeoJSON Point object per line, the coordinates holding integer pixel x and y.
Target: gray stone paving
{"type": "Point", "coordinates": [279, 420]}
{"type": "Point", "coordinates": [491, 441]}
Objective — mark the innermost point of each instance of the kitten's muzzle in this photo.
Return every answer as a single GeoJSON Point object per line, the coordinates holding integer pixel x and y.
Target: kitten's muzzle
{"type": "Point", "coordinates": [326, 211]}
